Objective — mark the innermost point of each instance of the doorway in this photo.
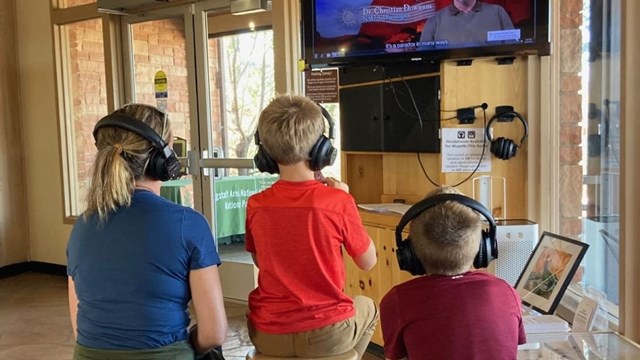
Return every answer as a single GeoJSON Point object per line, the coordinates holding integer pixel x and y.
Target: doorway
{"type": "Point", "coordinates": [212, 72]}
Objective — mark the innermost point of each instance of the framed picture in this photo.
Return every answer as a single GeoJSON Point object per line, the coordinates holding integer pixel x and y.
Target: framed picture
{"type": "Point", "coordinates": [549, 271]}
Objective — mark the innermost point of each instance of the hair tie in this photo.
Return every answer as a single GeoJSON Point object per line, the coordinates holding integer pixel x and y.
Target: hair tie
{"type": "Point", "coordinates": [118, 148]}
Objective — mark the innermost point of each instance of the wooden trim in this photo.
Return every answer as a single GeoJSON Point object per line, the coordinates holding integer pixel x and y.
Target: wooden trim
{"type": "Point", "coordinates": [227, 23]}
{"type": "Point", "coordinates": [630, 167]}
{"type": "Point", "coordinates": [286, 46]}
{"type": "Point", "coordinates": [534, 104]}
{"type": "Point", "coordinates": [390, 80]}
{"type": "Point", "coordinates": [549, 217]}
{"type": "Point", "coordinates": [74, 14]}
{"type": "Point", "coordinates": [112, 42]}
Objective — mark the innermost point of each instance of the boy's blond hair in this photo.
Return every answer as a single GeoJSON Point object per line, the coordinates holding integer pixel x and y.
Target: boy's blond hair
{"type": "Point", "coordinates": [446, 237]}
{"type": "Point", "coordinates": [289, 127]}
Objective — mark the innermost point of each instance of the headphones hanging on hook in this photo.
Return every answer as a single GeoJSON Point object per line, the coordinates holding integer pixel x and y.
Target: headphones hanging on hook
{"type": "Point", "coordinates": [407, 259]}
{"type": "Point", "coordinates": [505, 148]}
{"type": "Point", "coordinates": [322, 153]}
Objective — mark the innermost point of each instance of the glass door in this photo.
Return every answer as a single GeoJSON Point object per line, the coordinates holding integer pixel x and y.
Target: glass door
{"type": "Point", "coordinates": [213, 73]}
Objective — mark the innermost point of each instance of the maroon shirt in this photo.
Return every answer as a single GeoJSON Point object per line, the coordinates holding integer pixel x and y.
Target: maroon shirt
{"type": "Point", "coordinates": [469, 316]}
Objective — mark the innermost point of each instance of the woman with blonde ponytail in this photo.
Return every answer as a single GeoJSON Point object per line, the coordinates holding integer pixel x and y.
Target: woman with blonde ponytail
{"type": "Point", "coordinates": [135, 259]}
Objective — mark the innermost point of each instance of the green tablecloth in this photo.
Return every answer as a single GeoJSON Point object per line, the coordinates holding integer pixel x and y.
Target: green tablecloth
{"type": "Point", "coordinates": [231, 194]}
{"type": "Point", "coordinates": [230, 197]}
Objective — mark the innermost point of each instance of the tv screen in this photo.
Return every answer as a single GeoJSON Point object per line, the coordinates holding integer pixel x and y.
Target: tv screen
{"type": "Point", "coordinates": [341, 32]}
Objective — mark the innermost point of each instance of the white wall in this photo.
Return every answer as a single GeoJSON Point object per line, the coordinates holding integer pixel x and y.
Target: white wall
{"type": "Point", "coordinates": [43, 175]}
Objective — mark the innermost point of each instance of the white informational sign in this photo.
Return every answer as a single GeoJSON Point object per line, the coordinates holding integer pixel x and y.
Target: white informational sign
{"type": "Point", "coordinates": [462, 148]}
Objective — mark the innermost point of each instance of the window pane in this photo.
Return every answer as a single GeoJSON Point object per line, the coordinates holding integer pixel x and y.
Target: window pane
{"type": "Point", "coordinates": [601, 62]}
{"type": "Point", "coordinates": [589, 140]}
{"type": "Point", "coordinates": [85, 95]}
{"type": "Point", "coordinates": [242, 84]}
{"type": "Point", "coordinates": [160, 46]}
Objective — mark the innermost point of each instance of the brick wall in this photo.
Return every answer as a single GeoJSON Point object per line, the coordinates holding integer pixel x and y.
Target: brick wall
{"type": "Point", "coordinates": [157, 45]}
{"type": "Point", "coordinates": [88, 94]}
{"type": "Point", "coordinates": [571, 171]}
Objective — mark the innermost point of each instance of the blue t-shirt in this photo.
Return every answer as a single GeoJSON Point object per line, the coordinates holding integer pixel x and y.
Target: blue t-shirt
{"type": "Point", "coordinates": [131, 273]}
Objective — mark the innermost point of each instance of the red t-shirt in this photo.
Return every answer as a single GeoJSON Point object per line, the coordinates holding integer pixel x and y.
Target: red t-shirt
{"type": "Point", "coordinates": [297, 231]}
{"type": "Point", "coordinates": [469, 316]}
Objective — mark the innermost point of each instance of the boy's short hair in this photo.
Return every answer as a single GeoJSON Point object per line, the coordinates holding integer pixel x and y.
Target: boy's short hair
{"type": "Point", "coordinates": [446, 237]}
{"type": "Point", "coordinates": [289, 127]}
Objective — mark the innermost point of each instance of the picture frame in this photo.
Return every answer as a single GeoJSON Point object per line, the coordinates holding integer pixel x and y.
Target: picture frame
{"type": "Point", "coordinates": [549, 270]}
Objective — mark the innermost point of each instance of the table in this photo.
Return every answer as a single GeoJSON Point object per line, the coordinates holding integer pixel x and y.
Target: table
{"type": "Point", "coordinates": [586, 345]}
{"type": "Point", "coordinates": [231, 194]}
{"type": "Point", "coordinates": [230, 198]}
{"type": "Point", "coordinates": [171, 190]}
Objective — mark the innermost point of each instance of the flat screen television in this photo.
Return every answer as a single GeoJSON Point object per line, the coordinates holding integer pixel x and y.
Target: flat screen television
{"type": "Point", "coordinates": [348, 32]}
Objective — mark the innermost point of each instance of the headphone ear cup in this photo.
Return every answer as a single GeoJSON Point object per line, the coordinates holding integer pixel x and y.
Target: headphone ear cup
{"type": "Point", "coordinates": [322, 154]}
{"type": "Point", "coordinates": [407, 259]}
{"type": "Point", "coordinates": [488, 251]}
{"type": "Point", "coordinates": [163, 169]}
{"type": "Point", "coordinates": [264, 162]}
{"type": "Point", "coordinates": [156, 166]}
{"type": "Point", "coordinates": [503, 148]}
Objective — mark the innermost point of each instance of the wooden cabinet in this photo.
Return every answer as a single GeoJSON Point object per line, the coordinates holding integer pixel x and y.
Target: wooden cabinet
{"type": "Point", "coordinates": [376, 282]}
{"type": "Point", "coordinates": [381, 177]}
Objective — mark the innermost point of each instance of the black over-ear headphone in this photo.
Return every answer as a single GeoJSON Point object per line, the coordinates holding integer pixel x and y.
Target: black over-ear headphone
{"type": "Point", "coordinates": [163, 163]}
{"type": "Point", "coordinates": [407, 258]}
{"type": "Point", "coordinates": [505, 148]}
{"type": "Point", "coordinates": [322, 153]}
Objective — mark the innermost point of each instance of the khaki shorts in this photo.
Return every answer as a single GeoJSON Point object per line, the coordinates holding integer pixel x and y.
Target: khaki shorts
{"type": "Point", "coordinates": [353, 333]}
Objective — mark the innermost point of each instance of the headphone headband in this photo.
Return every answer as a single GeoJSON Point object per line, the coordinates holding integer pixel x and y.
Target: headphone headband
{"type": "Point", "coordinates": [327, 116]}
{"type": "Point", "coordinates": [132, 124]}
{"type": "Point", "coordinates": [511, 114]}
{"type": "Point", "coordinates": [163, 163]}
{"type": "Point", "coordinates": [432, 201]}
{"type": "Point", "coordinates": [322, 153]}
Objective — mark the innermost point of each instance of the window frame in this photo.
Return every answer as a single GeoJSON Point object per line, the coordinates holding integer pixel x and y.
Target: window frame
{"type": "Point", "coordinates": [544, 194]}
{"type": "Point", "coordinates": [64, 96]}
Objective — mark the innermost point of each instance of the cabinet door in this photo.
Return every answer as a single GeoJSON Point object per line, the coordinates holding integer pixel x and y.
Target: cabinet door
{"type": "Point", "coordinates": [360, 118]}
{"type": "Point", "coordinates": [360, 282]}
{"type": "Point", "coordinates": [373, 283]}
{"type": "Point", "coordinates": [403, 130]}
{"type": "Point", "coordinates": [376, 282]}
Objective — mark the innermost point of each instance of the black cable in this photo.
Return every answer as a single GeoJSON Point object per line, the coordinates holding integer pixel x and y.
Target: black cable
{"type": "Point", "coordinates": [484, 146]}
{"type": "Point", "coordinates": [419, 117]}
{"type": "Point", "coordinates": [387, 79]}
{"type": "Point", "coordinates": [415, 106]}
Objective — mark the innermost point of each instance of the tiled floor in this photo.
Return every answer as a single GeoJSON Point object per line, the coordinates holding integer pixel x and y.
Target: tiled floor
{"type": "Point", "coordinates": [34, 321]}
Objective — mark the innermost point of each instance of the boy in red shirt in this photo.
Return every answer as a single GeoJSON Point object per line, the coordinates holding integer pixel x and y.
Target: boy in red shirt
{"type": "Point", "coordinates": [296, 231]}
{"type": "Point", "coordinates": [452, 312]}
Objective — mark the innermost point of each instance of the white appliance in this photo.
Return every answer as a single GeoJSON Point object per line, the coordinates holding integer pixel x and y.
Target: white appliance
{"type": "Point", "coordinates": [516, 240]}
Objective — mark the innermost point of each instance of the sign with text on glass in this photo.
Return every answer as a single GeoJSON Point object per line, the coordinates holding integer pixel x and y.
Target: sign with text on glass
{"type": "Point", "coordinates": [231, 195]}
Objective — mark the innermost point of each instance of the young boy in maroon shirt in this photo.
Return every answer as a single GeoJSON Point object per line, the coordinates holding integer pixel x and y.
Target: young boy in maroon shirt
{"type": "Point", "coordinates": [452, 312]}
{"type": "Point", "coordinates": [296, 231]}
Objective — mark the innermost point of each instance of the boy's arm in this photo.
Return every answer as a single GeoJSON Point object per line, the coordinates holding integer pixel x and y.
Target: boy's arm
{"type": "Point", "coordinates": [368, 259]}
